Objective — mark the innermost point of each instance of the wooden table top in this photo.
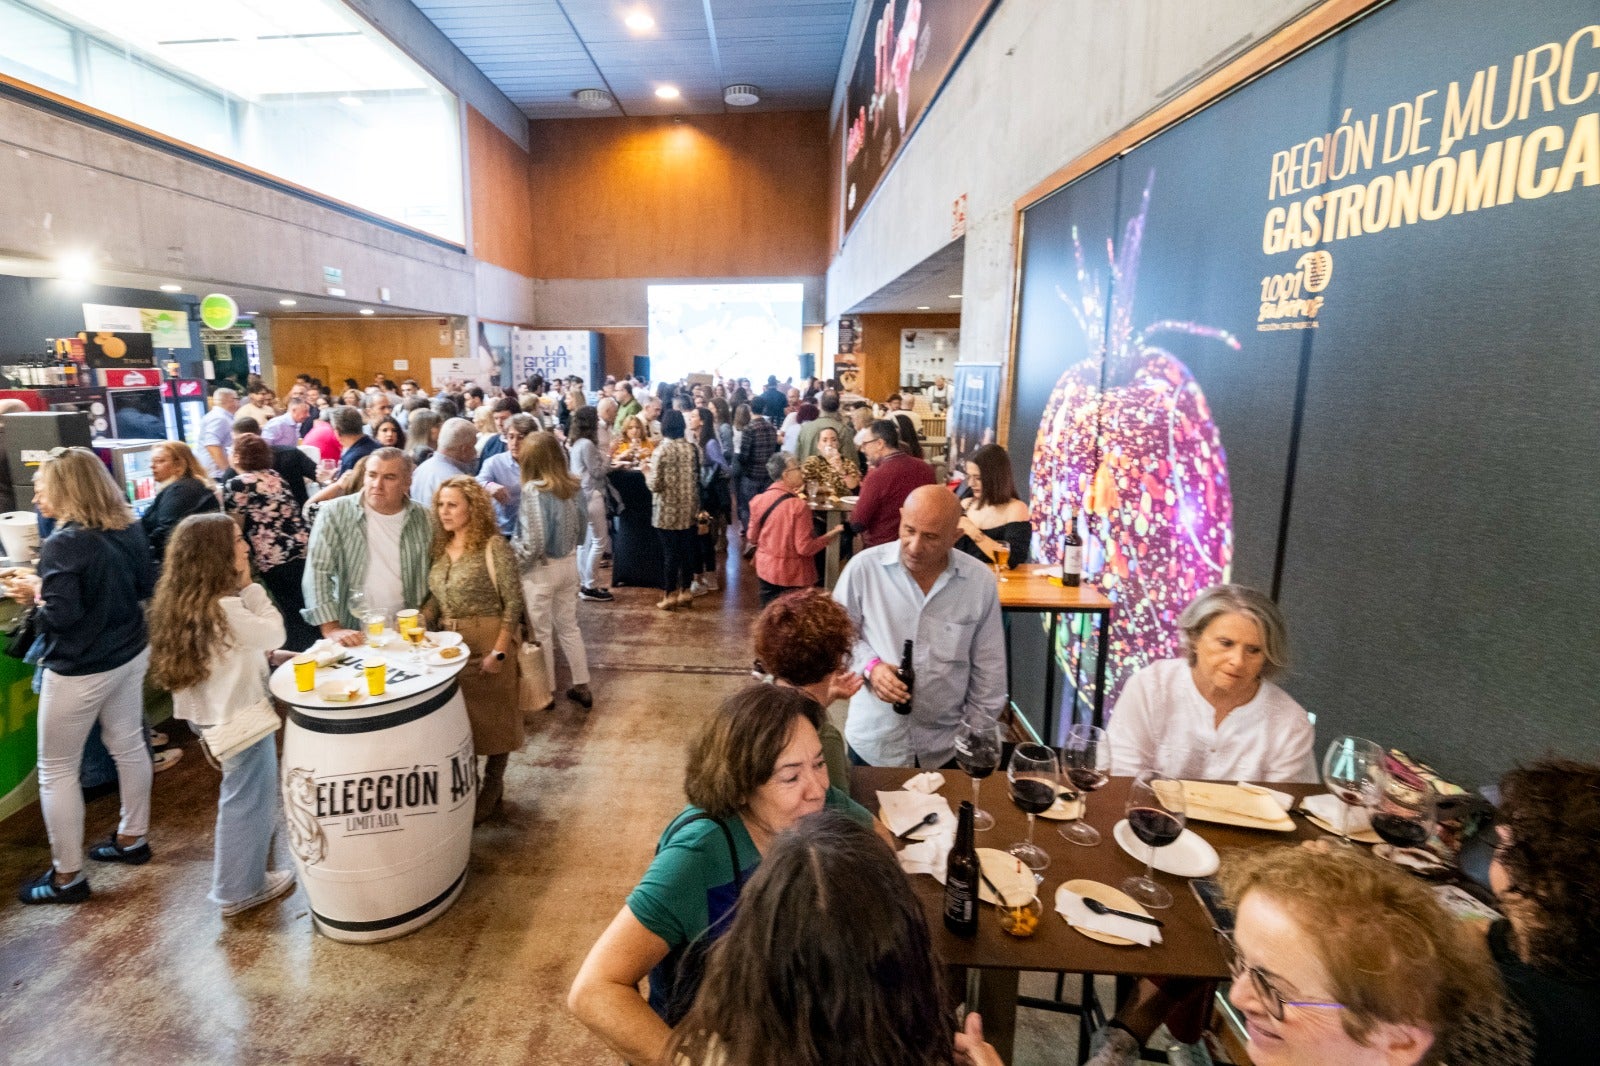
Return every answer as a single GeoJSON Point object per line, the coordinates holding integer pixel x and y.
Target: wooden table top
{"type": "Point", "coordinates": [1037, 587]}
{"type": "Point", "coordinates": [1189, 947]}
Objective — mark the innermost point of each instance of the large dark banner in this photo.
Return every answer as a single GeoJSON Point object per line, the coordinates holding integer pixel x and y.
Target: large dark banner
{"type": "Point", "coordinates": [974, 409]}
{"type": "Point", "coordinates": [910, 48]}
{"type": "Point", "coordinates": [1333, 337]}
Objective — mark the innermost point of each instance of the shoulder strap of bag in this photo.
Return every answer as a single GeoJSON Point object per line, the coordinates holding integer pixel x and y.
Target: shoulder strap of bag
{"type": "Point", "coordinates": [727, 836]}
{"type": "Point", "coordinates": [773, 506]}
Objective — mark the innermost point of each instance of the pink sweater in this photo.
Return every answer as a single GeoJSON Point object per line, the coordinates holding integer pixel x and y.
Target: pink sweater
{"type": "Point", "coordinates": [780, 528]}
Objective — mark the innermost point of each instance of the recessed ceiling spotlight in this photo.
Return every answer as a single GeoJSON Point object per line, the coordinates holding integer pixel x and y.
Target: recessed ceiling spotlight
{"type": "Point", "coordinates": [639, 21]}
{"type": "Point", "coordinates": [594, 99]}
{"type": "Point", "coordinates": [287, 303]}
{"type": "Point", "coordinates": [172, 288]}
{"type": "Point", "coordinates": [368, 311]}
{"type": "Point", "coordinates": [955, 296]}
{"type": "Point", "coordinates": [75, 266]}
{"type": "Point", "coordinates": [668, 92]}
{"type": "Point", "coordinates": [741, 95]}
{"type": "Point", "coordinates": [924, 307]}
{"type": "Point", "coordinates": [350, 101]}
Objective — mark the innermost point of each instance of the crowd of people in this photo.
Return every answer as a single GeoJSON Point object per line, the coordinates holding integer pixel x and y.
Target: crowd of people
{"type": "Point", "coordinates": [773, 924]}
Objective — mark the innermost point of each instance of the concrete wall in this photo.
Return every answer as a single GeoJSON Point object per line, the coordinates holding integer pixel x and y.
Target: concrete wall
{"type": "Point", "coordinates": [1045, 81]}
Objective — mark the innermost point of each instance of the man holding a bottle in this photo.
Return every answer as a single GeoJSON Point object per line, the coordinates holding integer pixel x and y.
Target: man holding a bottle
{"type": "Point", "coordinates": [945, 604]}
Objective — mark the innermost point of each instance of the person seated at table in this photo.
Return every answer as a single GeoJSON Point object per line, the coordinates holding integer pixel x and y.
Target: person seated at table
{"type": "Point", "coordinates": [1215, 714]}
{"type": "Point", "coordinates": [783, 533]}
{"type": "Point", "coordinates": [1341, 960]}
{"type": "Point", "coordinates": [804, 640]}
{"type": "Point", "coordinates": [754, 769]}
{"type": "Point", "coordinates": [800, 975]}
{"type": "Point", "coordinates": [828, 467]}
{"type": "Point", "coordinates": [995, 516]}
{"type": "Point", "coordinates": [211, 627]}
{"type": "Point", "coordinates": [1547, 948]}
{"type": "Point", "coordinates": [633, 445]}
{"type": "Point", "coordinates": [920, 589]}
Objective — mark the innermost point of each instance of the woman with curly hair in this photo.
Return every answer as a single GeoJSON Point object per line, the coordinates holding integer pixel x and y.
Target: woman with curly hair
{"type": "Point", "coordinates": [804, 640]}
{"type": "Point", "coordinates": [210, 629]}
{"type": "Point", "coordinates": [473, 590]}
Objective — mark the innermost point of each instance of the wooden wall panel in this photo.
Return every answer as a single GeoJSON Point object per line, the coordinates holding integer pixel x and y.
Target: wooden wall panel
{"type": "Point", "coordinates": [502, 201]}
{"type": "Point", "coordinates": [702, 196]}
{"type": "Point", "coordinates": [337, 348]}
{"type": "Point", "coordinates": [879, 347]}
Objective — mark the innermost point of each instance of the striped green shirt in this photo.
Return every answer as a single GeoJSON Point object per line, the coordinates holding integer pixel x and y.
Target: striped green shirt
{"type": "Point", "coordinates": [336, 559]}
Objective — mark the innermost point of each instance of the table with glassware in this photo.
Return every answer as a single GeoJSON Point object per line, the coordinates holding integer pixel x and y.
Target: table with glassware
{"type": "Point", "coordinates": [834, 510]}
{"type": "Point", "coordinates": [1036, 588]}
{"type": "Point", "coordinates": [1188, 948]}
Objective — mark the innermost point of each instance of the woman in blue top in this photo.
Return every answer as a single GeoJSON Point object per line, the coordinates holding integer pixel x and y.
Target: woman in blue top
{"type": "Point", "coordinates": [755, 769]}
{"type": "Point", "coordinates": [550, 526]}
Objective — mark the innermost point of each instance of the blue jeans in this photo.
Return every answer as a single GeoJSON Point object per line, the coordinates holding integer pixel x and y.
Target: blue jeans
{"type": "Point", "coordinates": [247, 813]}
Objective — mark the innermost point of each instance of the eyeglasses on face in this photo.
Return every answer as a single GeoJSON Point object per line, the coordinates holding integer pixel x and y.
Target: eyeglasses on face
{"type": "Point", "coordinates": [1264, 988]}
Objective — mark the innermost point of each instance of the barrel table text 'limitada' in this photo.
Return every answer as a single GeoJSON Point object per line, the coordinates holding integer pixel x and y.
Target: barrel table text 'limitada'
{"type": "Point", "coordinates": [378, 794]}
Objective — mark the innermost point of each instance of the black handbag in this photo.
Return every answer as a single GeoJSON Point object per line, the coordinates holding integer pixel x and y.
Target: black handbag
{"type": "Point", "coordinates": [681, 972]}
{"type": "Point", "coordinates": [22, 635]}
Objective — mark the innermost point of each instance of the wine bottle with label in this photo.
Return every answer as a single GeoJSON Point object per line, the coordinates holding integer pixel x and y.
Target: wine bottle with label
{"type": "Point", "coordinates": [1072, 555]}
{"type": "Point", "coordinates": [908, 677]}
{"type": "Point", "coordinates": [961, 878]}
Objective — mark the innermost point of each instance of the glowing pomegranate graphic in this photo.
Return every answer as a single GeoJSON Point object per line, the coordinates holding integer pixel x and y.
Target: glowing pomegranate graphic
{"type": "Point", "coordinates": [1140, 459]}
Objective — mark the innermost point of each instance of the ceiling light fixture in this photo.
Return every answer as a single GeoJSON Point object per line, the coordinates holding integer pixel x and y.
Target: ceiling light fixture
{"type": "Point", "coordinates": [368, 311]}
{"type": "Point", "coordinates": [924, 307]}
{"type": "Point", "coordinates": [172, 288]}
{"type": "Point", "coordinates": [350, 101]}
{"type": "Point", "coordinates": [639, 21]}
{"type": "Point", "coordinates": [287, 303]}
{"type": "Point", "coordinates": [668, 92]}
{"type": "Point", "coordinates": [955, 296]}
{"type": "Point", "coordinates": [741, 95]}
{"type": "Point", "coordinates": [75, 266]}
{"type": "Point", "coordinates": [594, 99]}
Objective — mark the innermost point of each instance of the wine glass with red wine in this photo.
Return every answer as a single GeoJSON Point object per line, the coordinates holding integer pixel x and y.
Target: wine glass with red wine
{"type": "Point", "coordinates": [1034, 773]}
{"type": "Point", "coordinates": [978, 755]}
{"type": "Point", "coordinates": [1157, 823]}
{"type": "Point", "coordinates": [1086, 764]}
{"type": "Point", "coordinates": [1404, 816]}
{"type": "Point", "coordinates": [1353, 771]}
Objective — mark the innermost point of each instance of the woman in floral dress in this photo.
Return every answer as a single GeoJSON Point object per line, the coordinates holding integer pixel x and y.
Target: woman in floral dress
{"type": "Point", "coordinates": [259, 500]}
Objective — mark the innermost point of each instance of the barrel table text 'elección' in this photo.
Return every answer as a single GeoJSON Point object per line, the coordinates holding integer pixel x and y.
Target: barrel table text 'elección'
{"type": "Point", "coordinates": [378, 794]}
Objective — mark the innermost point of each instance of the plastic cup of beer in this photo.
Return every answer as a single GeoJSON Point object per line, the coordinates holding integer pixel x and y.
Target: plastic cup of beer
{"type": "Point", "coordinates": [305, 673]}
{"type": "Point", "coordinates": [377, 671]}
{"type": "Point", "coordinates": [1002, 556]}
{"type": "Point", "coordinates": [404, 620]}
{"type": "Point", "coordinates": [375, 622]}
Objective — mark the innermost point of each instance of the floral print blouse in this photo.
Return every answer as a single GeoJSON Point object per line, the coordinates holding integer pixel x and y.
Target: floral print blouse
{"type": "Point", "coordinates": [272, 524]}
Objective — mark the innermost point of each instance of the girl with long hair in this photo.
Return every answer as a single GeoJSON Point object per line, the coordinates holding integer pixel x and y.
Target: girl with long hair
{"type": "Point", "coordinates": [549, 530]}
{"type": "Point", "coordinates": [473, 590]}
{"type": "Point", "coordinates": [94, 571]}
{"type": "Point", "coordinates": [996, 517]}
{"type": "Point", "coordinates": [211, 628]}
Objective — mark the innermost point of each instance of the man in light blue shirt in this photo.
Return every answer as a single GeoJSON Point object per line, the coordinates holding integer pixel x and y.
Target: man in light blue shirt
{"type": "Point", "coordinates": [920, 589]}
{"type": "Point", "coordinates": [216, 433]}
{"type": "Point", "coordinates": [501, 473]}
{"type": "Point", "coordinates": [284, 431]}
{"type": "Point", "coordinates": [457, 457]}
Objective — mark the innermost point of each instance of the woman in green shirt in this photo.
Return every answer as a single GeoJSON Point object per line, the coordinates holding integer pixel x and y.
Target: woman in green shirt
{"type": "Point", "coordinates": [755, 769]}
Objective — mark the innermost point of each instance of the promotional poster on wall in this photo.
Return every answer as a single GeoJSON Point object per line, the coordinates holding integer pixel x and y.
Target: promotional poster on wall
{"type": "Point", "coordinates": [555, 353]}
{"type": "Point", "coordinates": [974, 407]}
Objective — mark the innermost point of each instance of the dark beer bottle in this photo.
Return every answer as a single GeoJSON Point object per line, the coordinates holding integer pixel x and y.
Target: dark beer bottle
{"type": "Point", "coordinates": [961, 878]}
{"type": "Point", "coordinates": [908, 677]}
{"type": "Point", "coordinates": [1072, 555]}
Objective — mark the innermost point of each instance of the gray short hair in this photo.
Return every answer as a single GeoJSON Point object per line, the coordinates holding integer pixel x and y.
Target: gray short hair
{"type": "Point", "coordinates": [779, 463]}
{"type": "Point", "coordinates": [456, 433]}
{"type": "Point", "coordinates": [347, 422]}
{"type": "Point", "coordinates": [391, 455]}
{"type": "Point", "coordinates": [1238, 599]}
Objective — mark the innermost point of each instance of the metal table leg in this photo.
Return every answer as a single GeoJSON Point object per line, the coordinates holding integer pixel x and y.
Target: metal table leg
{"type": "Point", "coordinates": [1100, 669]}
{"type": "Point", "coordinates": [1048, 720]}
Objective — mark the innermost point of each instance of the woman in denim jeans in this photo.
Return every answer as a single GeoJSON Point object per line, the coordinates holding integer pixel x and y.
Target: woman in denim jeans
{"type": "Point", "coordinates": [211, 628]}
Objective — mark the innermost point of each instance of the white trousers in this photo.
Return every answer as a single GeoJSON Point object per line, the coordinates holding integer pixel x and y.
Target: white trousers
{"type": "Point", "coordinates": [550, 593]}
{"type": "Point", "coordinates": [596, 542]}
{"type": "Point", "coordinates": [68, 708]}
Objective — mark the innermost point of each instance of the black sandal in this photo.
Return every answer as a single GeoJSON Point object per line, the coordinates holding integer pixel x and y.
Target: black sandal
{"type": "Point", "coordinates": [43, 889]}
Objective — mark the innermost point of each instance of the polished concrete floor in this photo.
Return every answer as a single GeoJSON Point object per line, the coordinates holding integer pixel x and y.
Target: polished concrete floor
{"type": "Point", "coordinates": [149, 972]}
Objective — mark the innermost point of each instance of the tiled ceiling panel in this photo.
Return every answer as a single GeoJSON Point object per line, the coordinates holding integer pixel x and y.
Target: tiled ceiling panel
{"type": "Point", "coordinates": [541, 52]}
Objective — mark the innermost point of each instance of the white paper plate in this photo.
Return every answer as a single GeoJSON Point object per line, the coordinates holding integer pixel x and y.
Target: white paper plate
{"type": "Point", "coordinates": [433, 658]}
{"type": "Point", "coordinates": [1188, 856]}
{"type": "Point", "coordinates": [1018, 885]}
{"type": "Point", "coordinates": [851, 500]}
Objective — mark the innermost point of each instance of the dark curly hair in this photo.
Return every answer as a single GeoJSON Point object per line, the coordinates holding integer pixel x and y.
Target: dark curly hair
{"type": "Point", "coordinates": [1552, 809]}
{"type": "Point", "coordinates": [803, 637]}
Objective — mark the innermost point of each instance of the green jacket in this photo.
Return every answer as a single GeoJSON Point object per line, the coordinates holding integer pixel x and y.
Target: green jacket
{"type": "Point", "coordinates": [336, 559]}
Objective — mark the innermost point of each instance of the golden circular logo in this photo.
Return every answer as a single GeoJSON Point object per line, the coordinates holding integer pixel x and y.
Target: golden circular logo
{"type": "Point", "coordinates": [111, 345]}
{"type": "Point", "coordinates": [1316, 268]}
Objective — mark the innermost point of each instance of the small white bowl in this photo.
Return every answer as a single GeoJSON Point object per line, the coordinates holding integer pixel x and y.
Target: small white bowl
{"type": "Point", "coordinates": [445, 638]}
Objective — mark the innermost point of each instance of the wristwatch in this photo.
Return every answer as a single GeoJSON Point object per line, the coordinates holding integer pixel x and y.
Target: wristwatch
{"type": "Point", "coordinates": [499, 656]}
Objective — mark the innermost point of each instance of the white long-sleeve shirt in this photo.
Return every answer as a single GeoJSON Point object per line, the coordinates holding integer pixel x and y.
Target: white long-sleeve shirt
{"type": "Point", "coordinates": [238, 677]}
{"type": "Point", "coordinates": [1161, 722]}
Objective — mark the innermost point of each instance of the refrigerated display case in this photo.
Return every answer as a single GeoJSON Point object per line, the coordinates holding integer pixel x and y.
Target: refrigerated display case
{"type": "Point", "coordinates": [129, 463]}
{"type": "Point", "coordinates": [133, 397]}
{"type": "Point", "coordinates": [185, 402]}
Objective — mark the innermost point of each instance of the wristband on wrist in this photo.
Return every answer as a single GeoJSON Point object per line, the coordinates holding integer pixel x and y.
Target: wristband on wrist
{"type": "Point", "coordinates": [871, 666]}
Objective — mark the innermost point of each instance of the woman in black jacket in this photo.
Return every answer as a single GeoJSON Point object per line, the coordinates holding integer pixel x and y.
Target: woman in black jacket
{"type": "Point", "coordinates": [185, 490]}
{"type": "Point", "coordinates": [94, 571]}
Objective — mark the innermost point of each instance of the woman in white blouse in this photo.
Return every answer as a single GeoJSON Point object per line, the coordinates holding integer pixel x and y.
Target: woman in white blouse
{"type": "Point", "coordinates": [211, 628]}
{"type": "Point", "coordinates": [1215, 714]}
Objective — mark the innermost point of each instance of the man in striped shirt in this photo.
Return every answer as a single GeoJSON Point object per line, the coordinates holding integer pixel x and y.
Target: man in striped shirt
{"type": "Point", "coordinates": [375, 541]}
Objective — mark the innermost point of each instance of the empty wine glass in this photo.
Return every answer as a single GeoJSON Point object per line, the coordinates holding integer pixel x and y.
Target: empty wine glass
{"type": "Point", "coordinates": [1157, 822]}
{"type": "Point", "coordinates": [1353, 771]}
{"type": "Point", "coordinates": [1086, 764]}
{"type": "Point", "coordinates": [978, 755]}
{"type": "Point", "coordinates": [1034, 773]}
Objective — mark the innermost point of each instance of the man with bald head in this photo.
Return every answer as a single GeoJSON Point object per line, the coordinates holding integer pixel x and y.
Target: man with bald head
{"type": "Point", "coordinates": [946, 603]}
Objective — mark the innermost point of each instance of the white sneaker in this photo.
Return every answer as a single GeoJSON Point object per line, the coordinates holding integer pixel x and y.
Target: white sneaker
{"type": "Point", "coordinates": [165, 760]}
{"type": "Point", "coordinates": [710, 581]}
{"type": "Point", "coordinates": [697, 588]}
{"type": "Point", "coordinates": [278, 882]}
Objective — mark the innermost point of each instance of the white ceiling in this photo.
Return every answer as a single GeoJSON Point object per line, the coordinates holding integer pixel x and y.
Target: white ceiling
{"type": "Point", "coordinates": [933, 285]}
{"type": "Point", "coordinates": [540, 52]}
